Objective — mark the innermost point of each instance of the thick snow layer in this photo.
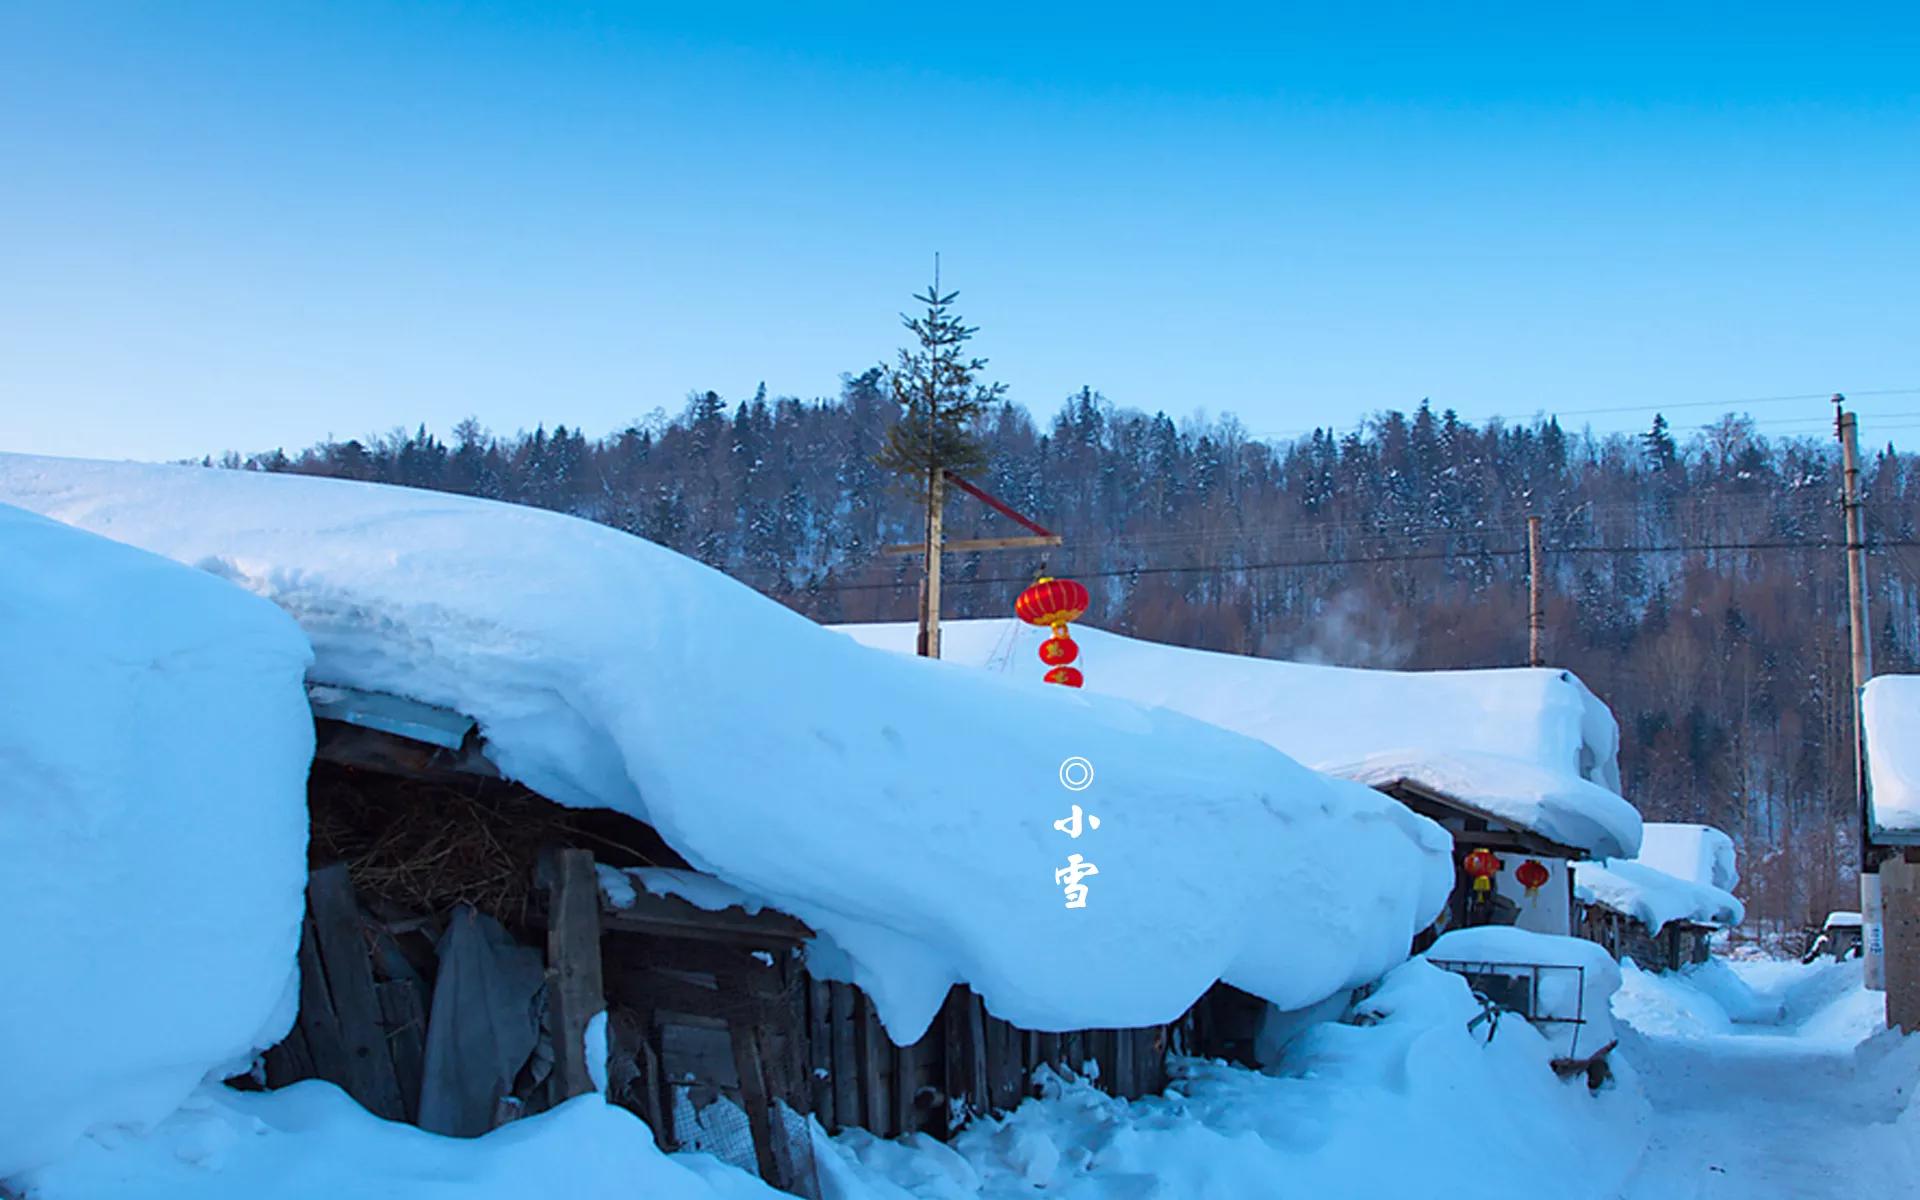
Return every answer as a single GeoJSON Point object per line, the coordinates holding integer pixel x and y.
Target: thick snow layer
{"type": "Point", "coordinates": [1892, 704]}
{"type": "Point", "coordinates": [1552, 803]}
{"type": "Point", "coordinates": [1578, 984]}
{"type": "Point", "coordinates": [1652, 897]}
{"type": "Point", "coordinates": [154, 741]}
{"type": "Point", "coordinates": [1533, 745]}
{"type": "Point", "coordinates": [904, 809]}
{"type": "Point", "coordinates": [1696, 853]}
{"type": "Point", "coordinates": [1400, 1100]}
{"type": "Point", "coordinates": [1683, 873]}
{"type": "Point", "coordinates": [312, 1142]}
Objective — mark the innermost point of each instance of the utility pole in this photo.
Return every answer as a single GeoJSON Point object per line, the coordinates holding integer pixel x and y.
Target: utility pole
{"type": "Point", "coordinates": [928, 644]}
{"type": "Point", "coordinates": [1872, 935]}
{"type": "Point", "coordinates": [1536, 604]}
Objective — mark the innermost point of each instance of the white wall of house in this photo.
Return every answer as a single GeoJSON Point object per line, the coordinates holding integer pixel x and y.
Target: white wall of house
{"type": "Point", "coordinates": [1549, 910]}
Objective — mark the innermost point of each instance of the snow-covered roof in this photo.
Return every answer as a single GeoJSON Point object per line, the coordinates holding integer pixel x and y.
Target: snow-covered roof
{"type": "Point", "coordinates": [1684, 872]}
{"type": "Point", "coordinates": [1531, 746]}
{"type": "Point", "coordinates": [1696, 853]}
{"type": "Point", "coordinates": [1652, 897]}
{"type": "Point", "coordinates": [904, 810]}
{"type": "Point", "coordinates": [1842, 920]}
{"type": "Point", "coordinates": [154, 746]}
{"type": "Point", "coordinates": [1892, 704]}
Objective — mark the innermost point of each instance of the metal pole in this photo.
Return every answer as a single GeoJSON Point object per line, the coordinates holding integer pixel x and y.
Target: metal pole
{"type": "Point", "coordinates": [1536, 606]}
{"type": "Point", "coordinates": [1846, 426]}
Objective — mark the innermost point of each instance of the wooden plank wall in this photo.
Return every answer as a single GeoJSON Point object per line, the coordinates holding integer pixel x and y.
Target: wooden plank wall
{"type": "Point", "coordinates": [857, 1076]}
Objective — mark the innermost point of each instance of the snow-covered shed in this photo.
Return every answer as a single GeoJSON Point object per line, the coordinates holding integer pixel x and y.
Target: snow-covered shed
{"type": "Point", "coordinates": [833, 877]}
{"type": "Point", "coordinates": [1663, 907]}
{"type": "Point", "coordinates": [1521, 762]}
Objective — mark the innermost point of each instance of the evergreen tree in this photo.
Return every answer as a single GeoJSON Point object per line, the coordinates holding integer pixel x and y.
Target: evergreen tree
{"type": "Point", "coordinates": [937, 390]}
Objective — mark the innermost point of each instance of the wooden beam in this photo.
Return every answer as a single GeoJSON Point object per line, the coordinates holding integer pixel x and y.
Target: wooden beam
{"type": "Point", "coordinates": [968, 545]}
{"type": "Point", "coordinates": [843, 1016]}
{"type": "Point", "coordinates": [757, 1097]}
{"type": "Point", "coordinates": [390, 754]}
{"type": "Point", "coordinates": [670, 916]}
{"type": "Point", "coordinates": [820, 1050]}
{"type": "Point", "coordinates": [575, 989]}
{"type": "Point", "coordinates": [349, 974]}
{"type": "Point", "coordinates": [405, 1021]}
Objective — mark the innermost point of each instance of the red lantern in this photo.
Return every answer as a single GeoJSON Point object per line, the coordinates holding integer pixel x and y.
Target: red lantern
{"type": "Point", "coordinates": [1052, 602]}
{"type": "Point", "coordinates": [1482, 865]}
{"type": "Point", "coordinates": [1065, 676]}
{"type": "Point", "coordinates": [1059, 650]}
{"type": "Point", "coordinates": [1533, 875]}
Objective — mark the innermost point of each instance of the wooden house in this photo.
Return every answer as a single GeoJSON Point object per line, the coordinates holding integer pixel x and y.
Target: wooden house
{"type": "Point", "coordinates": [716, 1033]}
{"type": "Point", "coordinates": [1676, 944]}
{"type": "Point", "coordinates": [1518, 849]}
{"type": "Point", "coordinates": [1661, 908]}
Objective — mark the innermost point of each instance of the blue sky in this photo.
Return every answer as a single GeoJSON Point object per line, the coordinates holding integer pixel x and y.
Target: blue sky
{"type": "Point", "coordinates": [248, 225]}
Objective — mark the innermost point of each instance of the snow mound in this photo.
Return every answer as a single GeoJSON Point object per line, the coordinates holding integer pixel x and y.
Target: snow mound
{"type": "Point", "coordinates": [311, 1141]}
{"type": "Point", "coordinates": [1399, 1100]}
{"type": "Point", "coordinates": [903, 809]}
{"type": "Point", "coordinates": [1892, 704]}
{"type": "Point", "coordinates": [1534, 743]}
{"type": "Point", "coordinates": [1577, 985]}
{"type": "Point", "coordinates": [154, 741]}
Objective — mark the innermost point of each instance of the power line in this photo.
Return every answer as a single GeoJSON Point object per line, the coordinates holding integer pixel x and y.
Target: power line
{"type": "Point", "coordinates": [1385, 560]}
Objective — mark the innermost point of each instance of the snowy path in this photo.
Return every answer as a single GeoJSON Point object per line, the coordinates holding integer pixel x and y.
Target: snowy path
{"type": "Point", "coordinates": [1776, 1110]}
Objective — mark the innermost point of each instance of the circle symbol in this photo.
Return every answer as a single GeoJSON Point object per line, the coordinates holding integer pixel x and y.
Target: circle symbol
{"type": "Point", "coordinates": [1076, 774]}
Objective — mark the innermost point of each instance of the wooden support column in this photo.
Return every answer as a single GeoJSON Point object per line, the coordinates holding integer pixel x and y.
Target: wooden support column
{"type": "Point", "coordinates": [575, 990]}
{"type": "Point", "coordinates": [843, 1015]}
{"type": "Point", "coordinates": [342, 954]}
{"type": "Point", "coordinates": [1900, 909]}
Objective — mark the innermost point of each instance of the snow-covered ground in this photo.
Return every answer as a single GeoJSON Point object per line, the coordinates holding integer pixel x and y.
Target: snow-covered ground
{"type": "Point", "coordinates": [1770, 1080]}
{"type": "Point", "coordinates": [1401, 1099]}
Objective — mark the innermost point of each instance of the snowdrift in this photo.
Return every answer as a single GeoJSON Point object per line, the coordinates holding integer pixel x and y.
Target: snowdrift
{"type": "Point", "coordinates": [1399, 1099]}
{"type": "Point", "coordinates": [1576, 983]}
{"type": "Point", "coordinates": [1893, 751]}
{"type": "Point", "coordinates": [154, 742]}
{"type": "Point", "coordinates": [312, 1142]}
{"type": "Point", "coordinates": [904, 809]}
{"type": "Point", "coordinates": [1528, 745]}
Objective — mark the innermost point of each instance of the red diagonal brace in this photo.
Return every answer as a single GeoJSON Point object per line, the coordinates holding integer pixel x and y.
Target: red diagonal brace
{"type": "Point", "coordinates": [996, 504]}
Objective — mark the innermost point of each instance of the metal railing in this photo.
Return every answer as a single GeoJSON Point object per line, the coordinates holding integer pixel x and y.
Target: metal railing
{"type": "Point", "coordinates": [1524, 1000]}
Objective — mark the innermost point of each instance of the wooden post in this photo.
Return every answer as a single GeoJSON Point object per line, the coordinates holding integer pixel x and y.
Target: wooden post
{"type": "Point", "coordinates": [769, 1136]}
{"type": "Point", "coordinates": [1900, 893]}
{"type": "Point", "coordinates": [843, 1016]}
{"type": "Point", "coordinates": [1846, 426]}
{"type": "Point", "coordinates": [1536, 607]}
{"type": "Point", "coordinates": [342, 954]}
{"type": "Point", "coordinates": [575, 991]}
